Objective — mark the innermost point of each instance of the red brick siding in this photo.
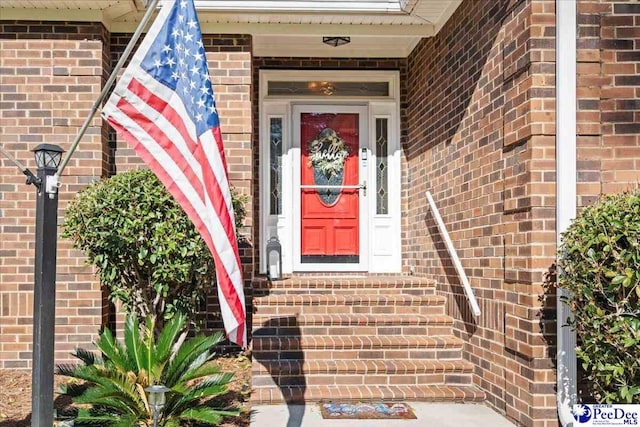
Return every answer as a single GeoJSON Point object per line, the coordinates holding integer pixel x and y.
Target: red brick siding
{"type": "Point", "coordinates": [50, 74]}
{"type": "Point", "coordinates": [620, 105]}
{"type": "Point", "coordinates": [481, 139]}
{"type": "Point", "coordinates": [608, 93]}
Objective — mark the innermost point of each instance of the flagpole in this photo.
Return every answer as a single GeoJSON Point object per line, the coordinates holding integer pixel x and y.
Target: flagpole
{"type": "Point", "coordinates": [31, 178]}
{"type": "Point", "coordinates": [106, 88]}
{"type": "Point", "coordinates": [13, 159]}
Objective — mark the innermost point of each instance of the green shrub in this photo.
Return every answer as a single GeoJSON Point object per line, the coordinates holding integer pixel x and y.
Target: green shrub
{"type": "Point", "coordinates": [600, 266]}
{"type": "Point", "coordinates": [115, 385]}
{"type": "Point", "coordinates": [146, 250]}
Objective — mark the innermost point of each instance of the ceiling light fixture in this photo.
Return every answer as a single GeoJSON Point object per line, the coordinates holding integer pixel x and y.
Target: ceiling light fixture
{"type": "Point", "coordinates": [336, 41]}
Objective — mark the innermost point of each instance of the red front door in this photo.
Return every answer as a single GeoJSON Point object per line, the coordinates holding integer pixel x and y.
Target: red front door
{"type": "Point", "coordinates": [329, 188]}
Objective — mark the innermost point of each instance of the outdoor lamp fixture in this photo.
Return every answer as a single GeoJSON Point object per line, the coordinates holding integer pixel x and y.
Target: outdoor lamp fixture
{"type": "Point", "coordinates": [326, 88]}
{"type": "Point", "coordinates": [48, 158]}
{"type": "Point", "coordinates": [274, 259]}
{"type": "Point", "coordinates": [336, 41]}
{"type": "Point", "coordinates": [157, 399]}
{"type": "Point", "coordinates": [48, 155]}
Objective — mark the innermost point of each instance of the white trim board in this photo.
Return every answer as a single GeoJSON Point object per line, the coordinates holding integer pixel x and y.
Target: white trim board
{"type": "Point", "coordinates": [382, 231]}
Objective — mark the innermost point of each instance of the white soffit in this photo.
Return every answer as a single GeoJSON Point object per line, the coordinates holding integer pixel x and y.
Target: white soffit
{"type": "Point", "coordinates": [312, 46]}
{"type": "Point", "coordinates": [378, 28]}
{"type": "Point", "coordinates": [59, 4]}
{"type": "Point", "coordinates": [371, 6]}
{"type": "Point", "coordinates": [104, 11]}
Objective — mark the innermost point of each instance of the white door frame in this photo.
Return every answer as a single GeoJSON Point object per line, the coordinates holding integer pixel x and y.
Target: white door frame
{"type": "Point", "coordinates": [382, 230]}
{"type": "Point", "coordinates": [363, 177]}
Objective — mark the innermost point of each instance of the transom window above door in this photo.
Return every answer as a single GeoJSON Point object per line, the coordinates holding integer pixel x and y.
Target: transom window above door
{"type": "Point", "coordinates": [343, 84]}
{"type": "Point", "coordinates": [327, 88]}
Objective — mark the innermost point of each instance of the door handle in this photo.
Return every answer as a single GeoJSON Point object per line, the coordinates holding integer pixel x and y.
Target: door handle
{"type": "Point", "coordinates": [362, 187]}
{"type": "Point", "coordinates": [330, 187]}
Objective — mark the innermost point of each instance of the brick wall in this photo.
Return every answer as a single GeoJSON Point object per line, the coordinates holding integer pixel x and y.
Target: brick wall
{"type": "Point", "coordinates": [481, 138]}
{"type": "Point", "coordinates": [229, 60]}
{"type": "Point", "coordinates": [271, 63]}
{"type": "Point", "coordinates": [50, 74]}
{"type": "Point", "coordinates": [478, 131]}
{"type": "Point", "coordinates": [608, 97]}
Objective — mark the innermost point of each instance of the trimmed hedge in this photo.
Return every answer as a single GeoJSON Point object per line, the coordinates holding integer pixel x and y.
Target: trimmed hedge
{"type": "Point", "coordinates": [145, 248]}
{"type": "Point", "coordinates": [599, 264]}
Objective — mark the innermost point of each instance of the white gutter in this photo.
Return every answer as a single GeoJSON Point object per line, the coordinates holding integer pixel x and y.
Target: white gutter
{"type": "Point", "coordinates": [565, 193]}
{"type": "Point", "coordinates": [351, 6]}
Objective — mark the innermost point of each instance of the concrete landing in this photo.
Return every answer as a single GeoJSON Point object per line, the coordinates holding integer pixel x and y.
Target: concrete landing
{"type": "Point", "coordinates": [429, 415]}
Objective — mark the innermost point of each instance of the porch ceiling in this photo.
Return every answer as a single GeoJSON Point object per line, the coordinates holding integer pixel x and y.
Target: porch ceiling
{"type": "Point", "coordinates": [378, 28]}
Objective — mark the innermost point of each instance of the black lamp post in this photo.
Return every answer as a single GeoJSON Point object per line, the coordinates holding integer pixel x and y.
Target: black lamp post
{"type": "Point", "coordinates": [48, 158]}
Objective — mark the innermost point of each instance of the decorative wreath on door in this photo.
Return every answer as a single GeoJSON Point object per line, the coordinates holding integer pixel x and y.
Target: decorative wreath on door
{"type": "Point", "coordinates": [328, 152]}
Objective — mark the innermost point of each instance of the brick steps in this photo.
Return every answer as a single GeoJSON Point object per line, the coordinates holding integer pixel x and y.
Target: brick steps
{"type": "Point", "coordinates": [361, 372]}
{"type": "Point", "coordinates": [355, 319]}
{"type": "Point", "coordinates": [364, 393]}
{"type": "Point", "coordinates": [384, 285]}
{"type": "Point", "coordinates": [357, 348]}
{"type": "Point", "coordinates": [307, 367]}
{"type": "Point", "coordinates": [355, 342]}
{"type": "Point", "coordinates": [349, 299]}
{"type": "Point", "coordinates": [349, 304]}
{"type": "Point", "coordinates": [354, 325]}
{"type": "Point", "coordinates": [343, 379]}
{"type": "Point", "coordinates": [357, 338]}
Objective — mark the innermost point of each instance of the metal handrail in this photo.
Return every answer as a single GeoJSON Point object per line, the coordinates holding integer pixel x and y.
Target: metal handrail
{"type": "Point", "coordinates": [454, 256]}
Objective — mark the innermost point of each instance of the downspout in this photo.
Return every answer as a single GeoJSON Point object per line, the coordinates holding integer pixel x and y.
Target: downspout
{"type": "Point", "coordinates": [565, 193]}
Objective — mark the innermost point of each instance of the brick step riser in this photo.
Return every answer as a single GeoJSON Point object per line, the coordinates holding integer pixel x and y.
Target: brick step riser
{"type": "Point", "coordinates": [414, 367]}
{"type": "Point", "coordinates": [275, 398]}
{"type": "Point", "coordinates": [349, 330]}
{"type": "Point", "coordinates": [345, 291]}
{"type": "Point", "coordinates": [301, 394]}
{"type": "Point", "coordinates": [361, 299]}
{"type": "Point", "coordinates": [362, 379]}
{"type": "Point", "coordinates": [290, 310]}
{"type": "Point", "coordinates": [362, 354]}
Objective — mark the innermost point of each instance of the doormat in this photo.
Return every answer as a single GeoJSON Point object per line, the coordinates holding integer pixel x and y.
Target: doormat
{"type": "Point", "coordinates": [369, 411]}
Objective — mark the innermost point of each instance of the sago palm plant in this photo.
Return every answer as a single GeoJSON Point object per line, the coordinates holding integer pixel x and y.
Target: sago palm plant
{"type": "Point", "coordinates": [113, 393]}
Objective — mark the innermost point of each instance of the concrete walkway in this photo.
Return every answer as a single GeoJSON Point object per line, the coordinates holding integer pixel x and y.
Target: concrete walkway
{"type": "Point", "coordinates": [429, 415]}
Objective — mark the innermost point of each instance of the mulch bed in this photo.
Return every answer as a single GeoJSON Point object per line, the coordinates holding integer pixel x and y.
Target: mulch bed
{"type": "Point", "coordinates": [15, 393]}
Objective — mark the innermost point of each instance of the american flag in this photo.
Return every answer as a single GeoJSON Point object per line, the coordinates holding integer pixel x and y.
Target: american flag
{"type": "Point", "coordinates": [165, 108]}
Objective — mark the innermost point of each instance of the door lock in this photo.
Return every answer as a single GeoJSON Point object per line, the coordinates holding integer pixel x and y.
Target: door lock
{"type": "Point", "coordinates": [363, 186]}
